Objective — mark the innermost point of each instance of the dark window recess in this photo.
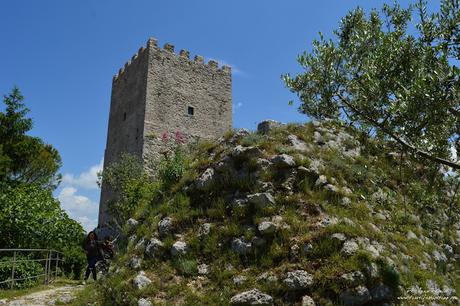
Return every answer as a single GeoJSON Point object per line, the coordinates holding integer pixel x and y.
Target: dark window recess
{"type": "Point", "coordinates": [190, 110]}
{"type": "Point", "coordinates": [124, 116]}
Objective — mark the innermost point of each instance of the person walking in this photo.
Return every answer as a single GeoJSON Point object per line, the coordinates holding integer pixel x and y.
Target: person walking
{"type": "Point", "coordinates": [93, 254]}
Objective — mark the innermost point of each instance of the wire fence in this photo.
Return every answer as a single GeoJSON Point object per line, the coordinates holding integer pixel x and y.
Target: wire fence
{"type": "Point", "coordinates": [51, 261]}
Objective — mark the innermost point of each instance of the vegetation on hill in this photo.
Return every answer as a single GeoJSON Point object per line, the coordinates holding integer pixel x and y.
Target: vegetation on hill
{"type": "Point", "coordinates": [393, 73]}
{"type": "Point", "coordinates": [284, 215]}
{"type": "Point", "coordinates": [30, 216]}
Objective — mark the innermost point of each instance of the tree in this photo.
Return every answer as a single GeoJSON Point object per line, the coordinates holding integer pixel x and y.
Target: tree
{"type": "Point", "coordinates": [23, 158]}
{"type": "Point", "coordinates": [388, 78]}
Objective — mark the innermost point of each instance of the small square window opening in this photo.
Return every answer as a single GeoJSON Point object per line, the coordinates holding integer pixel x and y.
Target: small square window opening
{"type": "Point", "coordinates": [191, 111]}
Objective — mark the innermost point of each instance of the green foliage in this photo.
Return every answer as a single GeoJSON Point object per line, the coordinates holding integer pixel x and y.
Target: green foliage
{"type": "Point", "coordinates": [127, 179]}
{"type": "Point", "coordinates": [380, 76]}
{"type": "Point", "coordinates": [186, 266]}
{"type": "Point", "coordinates": [23, 158]}
{"type": "Point", "coordinates": [75, 261]}
{"type": "Point", "coordinates": [171, 167]}
{"type": "Point", "coordinates": [32, 218]}
{"type": "Point", "coordinates": [21, 270]}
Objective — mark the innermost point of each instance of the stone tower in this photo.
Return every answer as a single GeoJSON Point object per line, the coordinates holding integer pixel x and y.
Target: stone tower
{"type": "Point", "coordinates": [159, 92]}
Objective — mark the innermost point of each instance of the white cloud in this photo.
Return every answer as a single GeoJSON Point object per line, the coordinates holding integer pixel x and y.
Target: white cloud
{"type": "Point", "coordinates": [79, 207]}
{"type": "Point", "coordinates": [87, 223]}
{"type": "Point", "coordinates": [86, 179]}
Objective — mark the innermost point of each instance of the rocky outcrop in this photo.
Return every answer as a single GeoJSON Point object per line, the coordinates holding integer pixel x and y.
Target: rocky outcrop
{"type": "Point", "coordinates": [252, 297]}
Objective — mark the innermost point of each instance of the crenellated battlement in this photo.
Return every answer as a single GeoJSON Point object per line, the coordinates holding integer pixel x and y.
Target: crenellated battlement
{"type": "Point", "coordinates": [152, 44]}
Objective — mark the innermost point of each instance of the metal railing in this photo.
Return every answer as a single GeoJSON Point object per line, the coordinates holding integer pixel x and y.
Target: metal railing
{"type": "Point", "coordinates": [51, 264]}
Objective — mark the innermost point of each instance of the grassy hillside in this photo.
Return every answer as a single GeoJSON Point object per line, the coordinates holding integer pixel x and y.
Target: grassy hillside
{"type": "Point", "coordinates": [304, 214]}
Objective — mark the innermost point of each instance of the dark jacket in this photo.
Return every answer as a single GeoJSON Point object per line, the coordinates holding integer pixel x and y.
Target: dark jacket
{"type": "Point", "coordinates": [92, 248]}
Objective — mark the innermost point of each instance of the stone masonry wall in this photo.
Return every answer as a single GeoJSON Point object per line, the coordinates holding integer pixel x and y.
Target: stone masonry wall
{"type": "Point", "coordinates": [126, 117]}
{"type": "Point", "coordinates": [175, 83]}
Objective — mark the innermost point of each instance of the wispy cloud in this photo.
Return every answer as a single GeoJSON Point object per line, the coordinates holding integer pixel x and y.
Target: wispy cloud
{"type": "Point", "coordinates": [86, 179]}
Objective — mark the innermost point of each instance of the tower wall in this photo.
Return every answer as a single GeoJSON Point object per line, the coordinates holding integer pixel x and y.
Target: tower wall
{"type": "Point", "coordinates": [126, 119]}
{"type": "Point", "coordinates": [174, 84]}
{"type": "Point", "coordinates": [161, 93]}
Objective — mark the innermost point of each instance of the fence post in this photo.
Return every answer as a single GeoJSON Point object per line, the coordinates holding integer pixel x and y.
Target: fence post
{"type": "Point", "coordinates": [12, 269]}
{"type": "Point", "coordinates": [50, 272]}
{"type": "Point", "coordinates": [46, 268]}
{"type": "Point", "coordinates": [57, 261]}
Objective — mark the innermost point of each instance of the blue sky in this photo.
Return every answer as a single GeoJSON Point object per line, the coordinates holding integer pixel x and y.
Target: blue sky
{"type": "Point", "coordinates": [63, 54]}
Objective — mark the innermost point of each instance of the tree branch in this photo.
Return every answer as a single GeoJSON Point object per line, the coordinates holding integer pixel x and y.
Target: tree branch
{"type": "Point", "coordinates": [398, 139]}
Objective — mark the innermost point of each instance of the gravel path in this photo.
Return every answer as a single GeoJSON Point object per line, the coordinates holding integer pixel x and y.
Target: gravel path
{"type": "Point", "coordinates": [63, 295]}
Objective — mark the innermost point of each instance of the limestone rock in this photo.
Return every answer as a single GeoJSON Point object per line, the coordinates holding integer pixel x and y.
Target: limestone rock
{"type": "Point", "coordinates": [241, 246]}
{"type": "Point", "coordinates": [261, 200]}
{"type": "Point", "coordinates": [411, 235]}
{"type": "Point", "coordinates": [322, 180]}
{"type": "Point", "coordinates": [266, 227]}
{"type": "Point", "coordinates": [239, 133]}
{"type": "Point", "coordinates": [132, 223]}
{"type": "Point", "coordinates": [154, 247]}
{"type": "Point", "coordinates": [354, 297]}
{"type": "Point", "coordinates": [239, 280]}
{"type": "Point", "coordinates": [326, 221]}
{"type": "Point", "coordinates": [349, 248]}
{"type": "Point", "coordinates": [135, 262]}
{"type": "Point", "coordinates": [204, 230]}
{"type": "Point", "coordinates": [144, 302]}
{"type": "Point", "coordinates": [141, 280]}
{"type": "Point", "coordinates": [339, 236]}
{"type": "Point", "coordinates": [252, 297]}
{"type": "Point", "coordinates": [267, 277]}
{"type": "Point", "coordinates": [266, 126]}
{"type": "Point", "coordinates": [206, 180]}
{"type": "Point", "coordinates": [298, 280]}
{"type": "Point", "coordinates": [246, 152]}
{"type": "Point", "coordinates": [353, 278]}
{"type": "Point", "coordinates": [179, 248]}
{"type": "Point", "coordinates": [297, 143]}
{"type": "Point", "coordinates": [318, 138]}
{"type": "Point", "coordinates": [439, 256]}
{"type": "Point", "coordinates": [203, 269]}
{"type": "Point", "coordinates": [307, 301]}
{"type": "Point", "coordinates": [165, 226]}
{"type": "Point", "coordinates": [345, 201]}
{"type": "Point", "coordinates": [283, 161]}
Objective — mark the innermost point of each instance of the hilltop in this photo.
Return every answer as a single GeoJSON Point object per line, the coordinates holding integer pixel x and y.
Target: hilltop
{"type": "Point", "coordinates": [313, 214]}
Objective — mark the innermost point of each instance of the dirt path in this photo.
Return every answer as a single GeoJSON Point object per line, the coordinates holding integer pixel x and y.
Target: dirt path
{"type": "Point", "coordinates": [62, 294]}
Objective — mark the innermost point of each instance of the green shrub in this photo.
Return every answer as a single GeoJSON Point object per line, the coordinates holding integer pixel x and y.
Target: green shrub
{"type": "Point", "coordinates": [75, 262]}
{"type": "Point", "coordinates": [171, 168]}
{"type": "Point", "coordinates": [186, 266]}
{"type": "Point", "coordinates": [21, 270]}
